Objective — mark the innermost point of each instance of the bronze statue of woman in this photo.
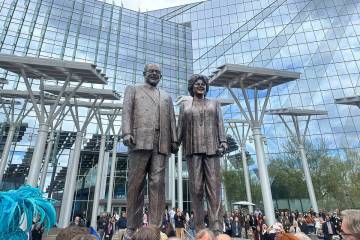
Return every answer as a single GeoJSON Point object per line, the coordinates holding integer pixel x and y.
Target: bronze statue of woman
{"type": "Point", "coordinates": [201, 131]}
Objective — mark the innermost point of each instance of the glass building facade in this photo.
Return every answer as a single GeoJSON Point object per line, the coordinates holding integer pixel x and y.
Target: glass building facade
{"type": "Point", "coordinates": [318, 38]}
{"type": "Point", "coordinates": [119, 41]}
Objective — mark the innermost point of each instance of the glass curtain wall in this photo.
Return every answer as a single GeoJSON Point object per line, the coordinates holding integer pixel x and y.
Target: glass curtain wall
{"type": "Point", "coordinates": [117, 40]}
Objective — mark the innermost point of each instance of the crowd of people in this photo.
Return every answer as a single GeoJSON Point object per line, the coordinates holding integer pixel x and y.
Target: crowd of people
{"type": "Point", "coordinates": [237, 224]}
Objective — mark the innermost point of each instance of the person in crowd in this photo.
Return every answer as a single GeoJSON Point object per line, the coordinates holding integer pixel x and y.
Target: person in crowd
{"type": "Point", "coordinates": [102, 224]}
{"type": "Point", "coordinates": [205, 234]}
{"type": "Point", "coordinates": [247, 224]}
{"type": "Point", "coordinates": [77, 222]}
{"type": "Point", "coordinates": [84, 220]}
{"type": "Point", "coordinates": [179, 224]}
{"type": "Point", "coordinates": [37, 231]}
{"type": "Point", "coordinates": [350, 226]}
{"type": "Point", "coordinates": [110, 229]}
{"type": "Point", "coordinates": [169, 231]}
{"type": "Point", "coordinates": [322, 214]}
{"type": "Point", "coordinates": [147, 233]}
{"type": "Point", "coordinates": [335, 219]}
{"type": "Point", "coordinates": [257, 212]}
{"type": "Point", "coordinates": [328, 228]}
{"type": "Point", "coordinates": [236, 228]}
{"type": "Point", "coordinates": [264, 231]}
{"type": "Point", "coordinates": [122, 222]}
{"type": "Point", "coordinates": [227, 224]}
{"type": "Point", "coordinates": [286, 221]}
{"type": "Point", "coordinates": [310, 222]}
{"type": "Point", "coordinates": [281, 217]}
{"type": "Point", "coordinates": [172, 214]}
{"type": "Point", "coordinates": [202, 133]}
{"type": "Point", "coordinates": [295, 227]}
{"type": "Point", "coordinates": [318, 222]}
{"type": "Point", "coordinates": [191, 225]}
{"type": "Point", "coordinates": [311, 211]}
{"type": "Point", "coordinates": [145, 220]}
{"type": "Point", "coordinates": [165, 221]}
{"type": "Point", "coordinates": [302, 224]}
{"type": "Point", "coordinates": [274, 231]}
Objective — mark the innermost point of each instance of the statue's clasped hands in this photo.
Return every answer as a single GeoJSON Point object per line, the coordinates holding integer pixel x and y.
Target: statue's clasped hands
{"type": "Point", "coordinates": [222, 149]}
{"type": "Point", "coordinates": [129, 140]}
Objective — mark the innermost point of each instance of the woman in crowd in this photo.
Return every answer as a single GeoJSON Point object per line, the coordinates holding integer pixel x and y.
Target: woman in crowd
{"type": "Point", "coordinates": [179, 224]}
{"type": "Point", "coordinates": [294, 228]}
{"type": "Point", "coordinates": [236, 228]}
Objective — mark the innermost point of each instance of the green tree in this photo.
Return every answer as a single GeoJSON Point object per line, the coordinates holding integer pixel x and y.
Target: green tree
{"type": "Point", "coordinates": [234, 182]}
{"type": "Point", "coordinates": [333, 178]}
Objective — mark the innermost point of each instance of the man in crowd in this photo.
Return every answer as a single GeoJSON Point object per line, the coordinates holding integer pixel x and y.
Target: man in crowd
{"type": "Point", "coordinates": [328, 228]}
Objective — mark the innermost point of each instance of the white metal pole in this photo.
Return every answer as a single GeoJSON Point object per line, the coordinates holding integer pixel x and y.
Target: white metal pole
{"type": "Point", "coordinates": [46, 161]}
{"type": "Point", "coordinates": [38, 154]}
{"type": "Point", "coordinates": [172, 180]}
{"type": "Point", "coordinates": [112, 175]}
{"type": "Point", "coordinates": [224, 166]}
{"type": "Point", "coordinates": [104, 175]}
{"type": "Point", "coordinates": [180, 181]}
{"type": "Point", "coordinates": [70, 183]}
{"type": "Point", "coordinates": [226, 205]}
{"type": "Point", "coordinates": [6, 150]}
{"type": "Point", "coordinates": [246, 177]}
{"type": "Point", "coordinates": [98, 181]}
{"type": "Point", "coordinates": [308, 180]}
{"type": "Point", "coordinates": [264, 176]}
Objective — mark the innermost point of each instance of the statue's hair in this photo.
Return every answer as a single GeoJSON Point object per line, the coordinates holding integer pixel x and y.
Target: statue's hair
{"type": "Point", "coordinates": [352, 217]}
{"type": "Point", "coordinates": [192, 81]}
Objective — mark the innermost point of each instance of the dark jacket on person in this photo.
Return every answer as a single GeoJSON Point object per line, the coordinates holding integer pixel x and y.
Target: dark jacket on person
{"type": "Point", "coordinates": [102, 223]}
{"type": "Point", "coordinates": [236, 229]}
{"type": "Point", "coordinates": [227, 223]}
{"type": "Point", "coordinates": [303, 226]}
{"type": "Point", "coordinates": [327, 234]}
{"type": "Point", "coordinates": [121, 223]}
{"type": "Point", "coordinates": [37, 232]}
{"type": "Point", "coordinates": [109, 231]}
{"type": "Point", "coordinates": [179, 221]}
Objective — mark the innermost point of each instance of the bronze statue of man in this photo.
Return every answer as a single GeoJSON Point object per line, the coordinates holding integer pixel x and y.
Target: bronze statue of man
{"type": "Point", "coordinates": [149, 131]}
{"type": "Point", "coordinates": [201, 131]}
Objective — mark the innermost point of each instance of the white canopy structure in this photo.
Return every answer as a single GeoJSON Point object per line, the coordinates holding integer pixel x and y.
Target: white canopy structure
{"type": "Point", "coordinates": [255, 79]}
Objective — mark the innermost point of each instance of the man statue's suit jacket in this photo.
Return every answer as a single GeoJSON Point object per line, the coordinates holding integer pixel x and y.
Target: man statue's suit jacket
{"type": "Point", "coordinates": [138, 118]}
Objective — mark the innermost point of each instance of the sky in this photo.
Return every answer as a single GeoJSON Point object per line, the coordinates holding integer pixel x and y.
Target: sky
{"type": "Point", "coordinates": [147, 5]}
